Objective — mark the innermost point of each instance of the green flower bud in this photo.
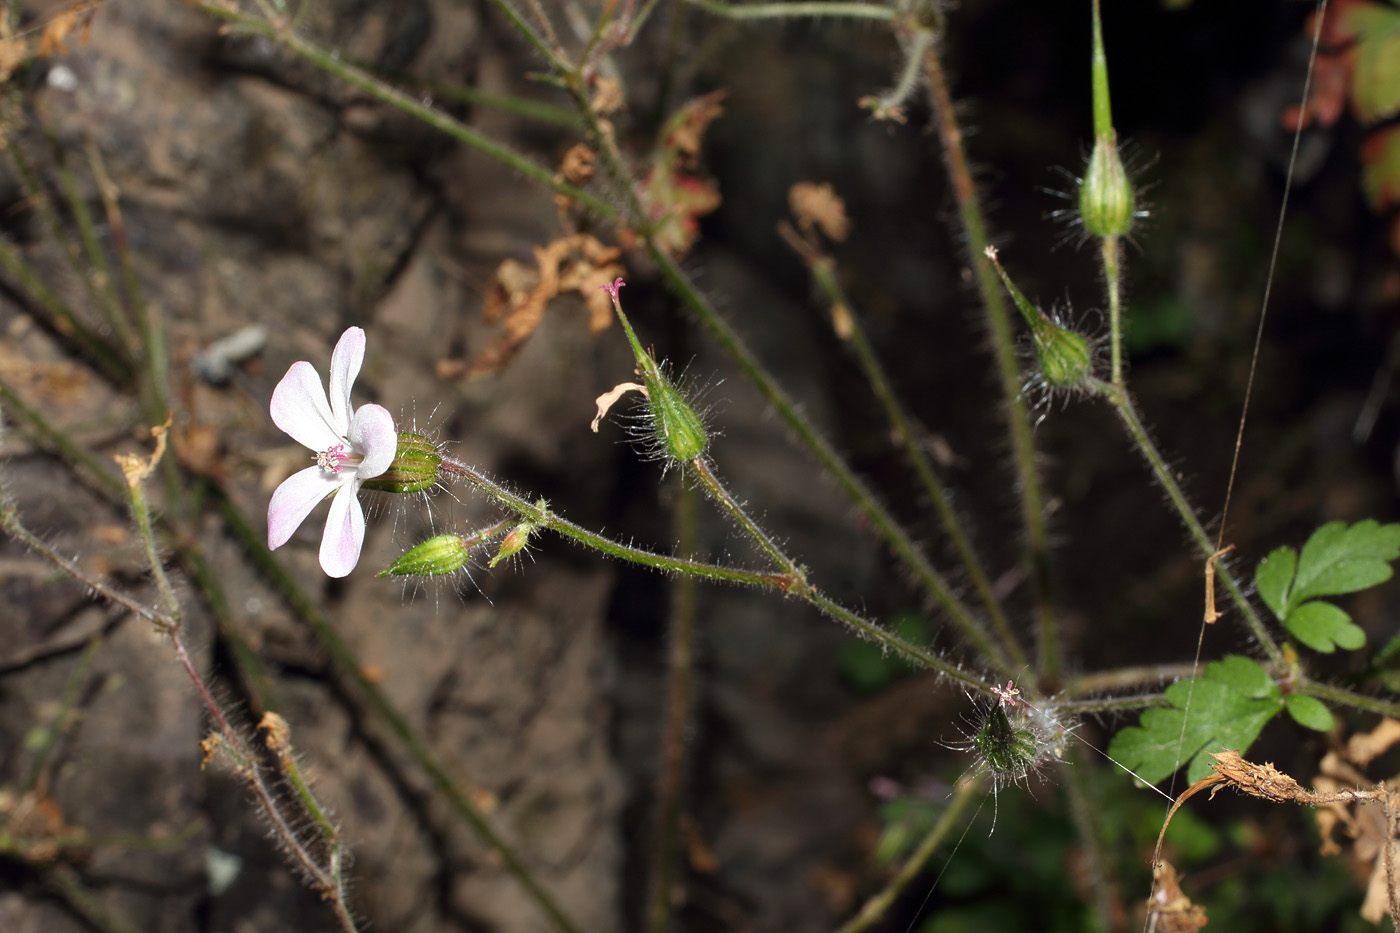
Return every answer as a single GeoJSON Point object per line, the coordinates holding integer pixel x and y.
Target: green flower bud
{"type": "Point", "coordinates": [1007, 750]}
{"type": "Point", "coordinates": [415, 467]}
{"type": "Point", "coordinates": [434, 557]}
{"type": "Point", "coordinates": [680, 432]}
{"type": "Point", "coordinates": [514, 542]}
{"type": "Point", "coordinates": [1107, 204]}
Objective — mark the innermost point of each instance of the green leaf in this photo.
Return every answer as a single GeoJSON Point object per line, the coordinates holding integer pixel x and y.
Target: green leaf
{"type": "Point", "coordinates": [1229, 704]}
{"type": "Point", "coordinates": [1309, 712]}
{"type": "Point", "coordinates": [1323, 627]}
{"type": "Point", "coordinates": [1336, 559]}
{"type": "Point", "coordinates": [1273, 577]}
{"type": "Point", "coordinates": [1375, 90]}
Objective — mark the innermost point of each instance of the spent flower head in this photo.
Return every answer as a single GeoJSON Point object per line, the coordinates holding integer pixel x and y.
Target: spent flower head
{"type": "Point", "coordinates": [350, 445]}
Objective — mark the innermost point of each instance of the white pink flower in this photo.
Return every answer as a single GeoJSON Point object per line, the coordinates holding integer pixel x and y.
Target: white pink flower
{"type": "Point", "coordinates": [350, 445]}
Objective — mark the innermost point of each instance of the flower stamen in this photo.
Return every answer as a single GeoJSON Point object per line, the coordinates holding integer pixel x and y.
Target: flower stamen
{"type": "Point", "coordinates": [331, 458]}
{"type": "Point", "coordinates": [1008, 694]}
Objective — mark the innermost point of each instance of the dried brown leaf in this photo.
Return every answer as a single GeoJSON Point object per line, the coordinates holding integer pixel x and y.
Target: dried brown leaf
{"type": "Point", "coordinates": [814, 205]}
{"type": "Point", "coordinates": [607, 95]}
{"type": "Point", "coordinates": [577, 167]}
{"type": "Point", "coordinates": [520, 293]}
{"type": "Point", "coordinates": [1365, 747]}
{"type": "Point", "coordinates": [686, 129]}
{"type": "Point", "coordinates": [58, 29]}
{"type": "Point", "coordinates": [13, 53]}
{"type": "Point", "coordinates": [1257, 780]}
{"type": "Point", "coordinates": [1170, 907]}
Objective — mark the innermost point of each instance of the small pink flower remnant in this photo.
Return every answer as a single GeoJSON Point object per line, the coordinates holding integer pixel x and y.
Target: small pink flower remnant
{"type": "Point", "coordinates": [1007, 694]}
{"type": "Point", "coordinates": [613, 287]}
{"type": "Point", "coordinates": [350, 445]}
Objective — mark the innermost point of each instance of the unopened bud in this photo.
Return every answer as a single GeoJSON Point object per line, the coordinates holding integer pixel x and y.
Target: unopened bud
{"type": "Point", "coordinates": [415, 467]}
{"type": "Point", "coordinates": [434, 557]}
{"type": "Point", "coordinates": [514, 542]}
{"type": "Point", "coordinates": [1107, 203]}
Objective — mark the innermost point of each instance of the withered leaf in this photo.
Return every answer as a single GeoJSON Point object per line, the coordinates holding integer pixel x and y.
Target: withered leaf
{"type": "Point", "coordinates": [520, 293]}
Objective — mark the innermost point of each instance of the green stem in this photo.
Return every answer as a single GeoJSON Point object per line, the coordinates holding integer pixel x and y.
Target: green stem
{"type": "Point", "coordinates": [872, 632]}
{"type": "Point", "coordinates": [377, 89]}
{"type": "Point", "coordinates": [913, 867]}
{"type": "Point", "coordinates": [1037, 559]}
{"type": "Point", "coordinates": [136, 491]}
{"type": "Point", "coordinates": [504, 103]}
{"type": "Point", "coordinates": [860, 495]}
{"type": "Point", "coordinates": [348, 664]}
{"type": "Point", "coordinates": [1118, 397]}
{"type": "Point", "coordinates": [1111, 250]}
{"type": "Point", "coordinates": [811, 8]}
{"type": "Point", "coordinates": [851, 331]}
{"type": "Point", "coordinates": [706, 475]}
{"type": "Point", "coordinates": [1111, 704]}
{"type": "Point", "coordinates": [351, 670]}
{"type": "Point", "coordinates": [791, 581]}
{"type": "Point", "coordinates": [61, 318]}
{"type": "Point", "coordinates": [549, 51]}
{"type": "Point", "coordinates": [99, 472]}
{"type": "Point", "coordinates": [1125, 678]}
{"type": "Point", "coordinates": [1098, 68]}
{"type": "Point", "coordinates": [330, 885]}
{"type": "Point", "coordinates": [1344, 697]}
{"type": "Point", "coordinates": [890, 104]}
{"type": "Point", "coordinates": [800, 587]}
{"type": "Point", "coordinates": [543, 518]}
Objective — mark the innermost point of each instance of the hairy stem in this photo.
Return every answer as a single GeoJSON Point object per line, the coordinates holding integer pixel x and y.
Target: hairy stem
{"type": "Point", "coordinates": [1037, 559]}
{"type": "Point", "coordinates": [791, 581]}
{"type": "Point", "coordinates": [805, 9]}
{"type": "Point", "coordinates": [853, 333]}
{"type": "Point", "coordinates": [1111, 249]}
{"type": "Point", "coordinates": [913, 867]}
{"type": "Point", "coordinates": [1127, 413]}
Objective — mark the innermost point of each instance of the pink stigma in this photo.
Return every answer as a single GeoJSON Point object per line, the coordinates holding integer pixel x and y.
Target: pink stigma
{"type": "Point", "coordinates": [331, 458]}
{"type": "Point", "coordinates": [612, 288]}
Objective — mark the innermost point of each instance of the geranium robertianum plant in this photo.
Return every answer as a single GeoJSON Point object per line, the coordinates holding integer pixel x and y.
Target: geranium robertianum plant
{"type": "Point", "coordinates": [1000, 640]}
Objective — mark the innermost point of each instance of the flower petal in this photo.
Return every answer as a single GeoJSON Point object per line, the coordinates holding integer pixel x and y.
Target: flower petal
{"type": "Point", "coordinates": [294, 500]}
{"type": "Point", "coordinates": [349, 353]}
{"type": "Point", "coordinates": [372, 435]}
{"type": "Point", "coordinates": [299, 408]}
{"type": "Point", "coordinates": [345, 532]}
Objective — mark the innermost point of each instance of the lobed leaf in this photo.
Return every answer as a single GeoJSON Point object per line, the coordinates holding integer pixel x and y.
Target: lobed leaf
{"type": "Point", "coordinates": [1336, 559]}
{"type": "Point", "coordinates": [1309, 712]}
{"type": "Point", "coordinates": [1376, 88]}
{"type": "Point", "coordinates": [1325, 628]}
{"type": "Point", "coordinates": [1229, 704]}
